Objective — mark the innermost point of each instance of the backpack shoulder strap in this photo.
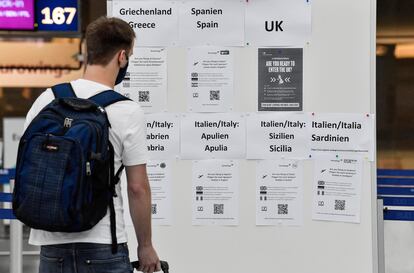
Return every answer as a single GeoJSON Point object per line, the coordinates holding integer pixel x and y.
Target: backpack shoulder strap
{"type": "Point", "coordinates": [107, 98]}
{"type": "Point", "coordinates": [63, 90]}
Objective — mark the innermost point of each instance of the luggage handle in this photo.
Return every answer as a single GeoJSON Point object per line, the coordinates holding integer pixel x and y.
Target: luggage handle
{"type": "Point", "coordinates": [78, 104]}
{"type": "Point", "coordinates": [164, 266]}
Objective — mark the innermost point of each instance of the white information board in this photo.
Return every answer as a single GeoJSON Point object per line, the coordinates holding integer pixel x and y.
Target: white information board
{"type": "Point", "coordinates": [338, 76]}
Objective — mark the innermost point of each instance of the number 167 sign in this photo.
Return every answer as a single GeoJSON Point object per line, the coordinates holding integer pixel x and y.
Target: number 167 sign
{"type": "Point", "coordinates": [60, 15]}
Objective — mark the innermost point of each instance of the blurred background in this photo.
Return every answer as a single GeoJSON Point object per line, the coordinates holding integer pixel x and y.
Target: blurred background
{"type": "Point", "coordinates": [395, 84]}
{"type": "Point", "coordinates": [33, 57]}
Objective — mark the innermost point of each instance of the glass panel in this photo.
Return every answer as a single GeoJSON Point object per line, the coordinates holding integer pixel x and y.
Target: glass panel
{"type": "Point", "coordinates": [395, 84]}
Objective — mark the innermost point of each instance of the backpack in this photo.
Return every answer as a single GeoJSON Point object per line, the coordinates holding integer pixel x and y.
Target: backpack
{"type": "Point", "coordinates": [65, 179]}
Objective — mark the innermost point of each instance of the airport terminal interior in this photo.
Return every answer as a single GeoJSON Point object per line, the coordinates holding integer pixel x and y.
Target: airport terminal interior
{"type": "Point", "coordinates": [16, 101]}
{"type": "Point", "coordinates": [394, 84]}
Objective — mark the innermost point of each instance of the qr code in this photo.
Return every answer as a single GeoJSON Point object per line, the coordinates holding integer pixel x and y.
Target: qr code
{"type": "Point", "coordinates": [214, 94]}
{"type": "Point", "coordinates": [218, 208]}
{"type": "Point", "coordinates": [339, 204]}
{"type": "Point", "coordinates": [154, 208]}
{"type": "Point", "coordinates": [144, 96]}
{"type": "Point", "coordinates": [282, 209]}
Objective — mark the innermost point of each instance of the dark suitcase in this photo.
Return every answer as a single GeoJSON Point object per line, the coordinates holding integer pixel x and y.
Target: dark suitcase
{"type": "Point", "coordinates": [164, 266]}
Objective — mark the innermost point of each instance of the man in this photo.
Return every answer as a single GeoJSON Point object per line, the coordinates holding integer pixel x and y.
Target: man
{"type": "Point", "coordinates": [109, 42]}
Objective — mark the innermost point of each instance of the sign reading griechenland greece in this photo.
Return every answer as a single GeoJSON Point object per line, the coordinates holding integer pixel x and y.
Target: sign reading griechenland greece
{"type": "Point", "coordinates": [155, 22]}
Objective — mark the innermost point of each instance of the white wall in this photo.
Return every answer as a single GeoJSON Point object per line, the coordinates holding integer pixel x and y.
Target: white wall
{"type": "Point", "coordinates": [337, 68]}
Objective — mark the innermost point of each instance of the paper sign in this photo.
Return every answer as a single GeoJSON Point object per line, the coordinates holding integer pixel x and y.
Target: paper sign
{"type": "Point", "coordinates": [12, 132]}
{"type": "Point", "coordinates": [163, 135]}
{"type": "Point", "coordinates": [160, 179]}
{"type": "Point", "coordinates": [212, 23]}
{"type": "Point", "coordinates": [279, 193]}
{"type": "Point", "coordinates": [342, 134]}
{"type": "Point", "coordinates": [154, 22]}
{"type": "Point", "coordinates": [280, 79]}
{"type": "Point", "coordinates": [278, 22]}
{"type": "Point", "coordinates": [159, 175]}
{"type": "Point", "coordinates": [215, 192]}
{"type": "Point", "coordinates": [210, 74]}
{"type": "Point", "coordinates": [206, 136]}
{"type": "Point", "coordinates": [146, 79]}
{"type": "Point", "coordinates": [277, 135]}
{"type": "Point", "coordinates": [337, 190]}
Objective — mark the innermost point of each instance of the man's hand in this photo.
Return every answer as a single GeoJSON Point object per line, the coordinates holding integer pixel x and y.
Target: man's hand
{"type": "Point", "coordinates": [149, 261]}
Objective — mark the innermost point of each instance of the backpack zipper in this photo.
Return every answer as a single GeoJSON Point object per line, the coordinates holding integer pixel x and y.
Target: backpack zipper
{"type": "Point", "coordinates": [88, 169]}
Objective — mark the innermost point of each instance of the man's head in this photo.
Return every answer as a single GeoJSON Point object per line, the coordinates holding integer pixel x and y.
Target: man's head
{"type": "Point", "coordinates": [109, 43]}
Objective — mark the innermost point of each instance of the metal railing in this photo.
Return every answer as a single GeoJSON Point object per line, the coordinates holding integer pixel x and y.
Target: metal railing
{"type": "Point", "coordinates": [16, 227]}
{"type": "Point", "coordinates": [395, 199]}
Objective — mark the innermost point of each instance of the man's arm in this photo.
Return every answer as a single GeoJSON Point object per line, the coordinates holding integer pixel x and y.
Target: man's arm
{"type": "Point", "coordinates": [139, 196]}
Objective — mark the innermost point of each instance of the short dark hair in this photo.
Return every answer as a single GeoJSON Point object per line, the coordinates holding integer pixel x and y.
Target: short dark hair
{"type": "Point", "coordinates": [104, 37]}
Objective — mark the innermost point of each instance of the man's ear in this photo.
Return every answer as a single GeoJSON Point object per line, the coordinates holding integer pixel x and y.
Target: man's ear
{"type": "Point", "coordinates": [121, 57]}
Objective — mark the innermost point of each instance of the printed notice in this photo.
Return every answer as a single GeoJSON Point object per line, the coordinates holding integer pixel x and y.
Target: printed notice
{"type": "Point", "coordinates": [154, 22]}
{"type": "Point", "coordinates": [212, 23]}
{"type": "Point", "coordinates": [12, 132]}
{"type": "Point", "coordinates": [278, 22]}
{"type": "Point", "coordinates": [279, 193]}
{"type": "Point", "coordinates": [210, 79]}
{"type": "Point", "coordinates": [277, 135]}
{"type": "Point", "coordinates": [342, 134]}
{"type": "Point", "coordinates": [159, 175]}
{"type": "Point", "coordinates": [215, 192]}
{"type": "Point", "coordinates": [205, 136]}
{"type": "Point", "coordinates": [146, 79]}
{"type": "Point", "coordinates": [163, 135]}
{"type": "Point", "coordinates": [337, 190]}
{"type": "Point", "coordinates": [280, 79]}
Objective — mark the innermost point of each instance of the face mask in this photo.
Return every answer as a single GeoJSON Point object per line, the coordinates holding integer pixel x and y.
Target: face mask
{"type": "Point", "coordinates": [121, 74]}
